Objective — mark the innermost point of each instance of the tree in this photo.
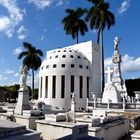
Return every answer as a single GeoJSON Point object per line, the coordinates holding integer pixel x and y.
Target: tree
{"type": "Point", "coordinates": [73, 24]}
{"type": "Point", "coordinates": [31, 58]}
{"type": "Point", "coordinates": [100, 17]}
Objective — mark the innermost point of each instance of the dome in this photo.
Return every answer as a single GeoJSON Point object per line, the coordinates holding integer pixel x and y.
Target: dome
{"type": "Point", "coordinates": [65, 60]}
{"type": "Point", "coordinates": [63, 72]}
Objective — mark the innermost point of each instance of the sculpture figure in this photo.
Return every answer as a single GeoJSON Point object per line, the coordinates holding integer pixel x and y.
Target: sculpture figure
{"type": "Point", "coordinates": [73, 97]}
{"type": "Point", "coordinates": [23, 77]}
{"type": "Point", "coordinates": [116, 43]}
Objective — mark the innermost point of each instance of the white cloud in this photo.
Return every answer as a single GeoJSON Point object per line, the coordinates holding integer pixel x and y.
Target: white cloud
{"type": "Point", "coordinates": [2, 78]}
{"type": "Point", "coordinates": [60, 2]}
{"type": "Point", "coordinates": [108, 63]}
{"type": "Point", "coordinates": [8, 71]}
{"type": "Point", "coordinates": [16, 74]}
{"type": "Point", "coordinates": [4, 23]}
{"type": "Point", "coordinates": [8, 23]}
{"type": "Point", "coordinates": [41, 4]}
{"type": "Point", "coordinates": [129, 64]}
{"type": "Point", "coordinates": [22, 32]}
{"type": "Point", "coordinates": [17, 51]}
{"type": "Point", "coordinates": [124, 6]}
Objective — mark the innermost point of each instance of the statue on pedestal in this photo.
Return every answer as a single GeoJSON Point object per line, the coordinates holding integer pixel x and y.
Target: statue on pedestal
{"type": "Point", "coordinates": [23, 93]}
{"type": "Point", "coordinates": [23, 77]}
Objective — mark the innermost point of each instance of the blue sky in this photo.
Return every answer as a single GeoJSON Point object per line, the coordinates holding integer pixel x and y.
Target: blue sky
{"type": "Point", "coordinates": [39, 22]}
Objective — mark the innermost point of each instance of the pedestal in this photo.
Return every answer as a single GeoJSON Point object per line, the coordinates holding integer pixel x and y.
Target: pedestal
{"type": "Point", "coordinates": [23, 101]}
{"type": "Point", "coordinates": [111, 93]}
{"type": "Point", "coordinates": [72, 111]}
{"type": "Point", "coordinates": [72, 107]}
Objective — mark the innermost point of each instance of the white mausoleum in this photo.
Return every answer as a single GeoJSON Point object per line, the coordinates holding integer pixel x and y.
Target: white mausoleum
{"type": "Point", "coordinates": [71, 69]}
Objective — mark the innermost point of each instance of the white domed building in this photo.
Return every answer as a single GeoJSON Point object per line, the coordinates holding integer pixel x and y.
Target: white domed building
{"type": "Point", "coordinates": [65, 71]}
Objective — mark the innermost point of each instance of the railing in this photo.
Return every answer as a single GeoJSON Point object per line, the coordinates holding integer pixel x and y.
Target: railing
{"type": "Point", "coordinates": [118, 105]}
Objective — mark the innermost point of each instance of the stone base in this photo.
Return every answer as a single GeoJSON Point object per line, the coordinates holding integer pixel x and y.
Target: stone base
{"type": "Point", "coordinates": [32, 113]}
{"type": "Point", "coordinates": [136, 135]}
{"type": "Point", "coordinates": [14, 131]}
{"type": "Point", "coordinates": [110, 130]}
{"type": "Point", "coordinates": [99, 113]}
{"type": "Point", "coordinates": [61, 130]}
{"type": "Point", "coordinates": [111, 93]}
{"type": "Point", "coordinates": [23, 102]}
{"type": "Point", "coordinates": [28, 121]}
{"type": "Point", "coordinates": [73, 107]}
{"type": "Point", "coordinates": [60, 117]}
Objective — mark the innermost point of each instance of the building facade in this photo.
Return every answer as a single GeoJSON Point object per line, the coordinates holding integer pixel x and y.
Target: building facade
{"type": "Point", "coordinates": [69, 70]}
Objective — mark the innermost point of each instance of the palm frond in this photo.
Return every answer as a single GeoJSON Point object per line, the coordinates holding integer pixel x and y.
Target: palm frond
{"type": "Point", "coordinates": [22, 54]}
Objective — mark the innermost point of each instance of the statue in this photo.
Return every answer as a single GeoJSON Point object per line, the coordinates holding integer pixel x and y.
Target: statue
{"type": "Point", "coordinates": [23, 77]}
{"type": "Point", "coordinates": [116, 43]}
{"type": "Point", "coordinates": [73, 97]}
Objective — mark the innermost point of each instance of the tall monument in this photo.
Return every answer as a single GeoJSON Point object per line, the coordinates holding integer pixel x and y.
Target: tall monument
{"type": "Point", "coordinates": [113, 87]}
{"type": "Point", "coordinates": [117, 79]}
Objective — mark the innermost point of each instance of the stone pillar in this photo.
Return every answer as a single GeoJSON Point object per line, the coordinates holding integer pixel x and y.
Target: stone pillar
{"type": "Point", "coordinates": [43, 87]}
{"type": "Point", "coordinates": [108, 104]}
{"type": "Point", "coordinates": [23, 101]}
{"type": "Point", "coordinates": [117, 79]}
{"type": "Point", "coordinates": [58, 86]}
{"type": "Point", "coordinates": [123, 103]}
{"type": "Point", "coordinates": [50, 87]}
{"type": "Point", "coordinates": [67, 93]}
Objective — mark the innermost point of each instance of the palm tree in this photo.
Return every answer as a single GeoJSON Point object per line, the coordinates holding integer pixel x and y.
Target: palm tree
{"type": "Point", "coordinates": [31, 58]}
{"type": "Point", "coordinates": [100, 17]}
{"type": "Point", "coordinates": [73, 24]}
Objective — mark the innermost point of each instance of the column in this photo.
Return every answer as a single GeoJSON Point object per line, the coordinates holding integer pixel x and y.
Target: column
{"type": "Point", "coordinates": [58, 86]}
{"type": "Point", "coordinates": [67, 92]}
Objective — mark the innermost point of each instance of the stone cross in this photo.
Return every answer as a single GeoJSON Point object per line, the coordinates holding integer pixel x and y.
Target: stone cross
{"type": "Point", "coordinates": [109, 74]}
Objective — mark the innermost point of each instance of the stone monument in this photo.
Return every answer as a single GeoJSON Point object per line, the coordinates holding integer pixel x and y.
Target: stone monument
{"type": "Point", "coordinates": [113, 87]}
{"type": "Point", "coordinates": [23, 93]}
{"type": "Point", "coordinates": [117, 79]}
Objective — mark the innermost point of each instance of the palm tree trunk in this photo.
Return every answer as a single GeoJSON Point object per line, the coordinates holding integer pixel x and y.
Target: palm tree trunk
{"type": "Point", "coordinates": [32, 83]}
{"type": "Point", "coordinates": [103, 79]}
{"type": "Point", "coordinates": [77, 41]}
{"type": "Point", "coordinates": [98, 36]}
